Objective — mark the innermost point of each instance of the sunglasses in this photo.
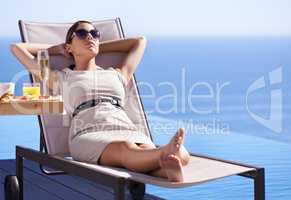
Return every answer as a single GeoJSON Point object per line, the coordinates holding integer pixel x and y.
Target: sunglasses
{"type": "Point", "coordinates": [83, 33]}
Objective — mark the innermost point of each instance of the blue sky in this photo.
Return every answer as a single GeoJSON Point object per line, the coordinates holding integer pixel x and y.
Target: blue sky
{"type": "Point", "coordinates": [160, 17]}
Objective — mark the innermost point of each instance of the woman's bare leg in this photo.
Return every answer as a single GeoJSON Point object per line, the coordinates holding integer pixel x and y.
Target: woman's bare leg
{"type": "Point", "coordinates": [171, 164]}
{"type": "Point", "coordinates": [176, 147]}
{"type": "Point", "coordinates": [168, 166]}
{"type": "Point", "coordinates": [159, 172]}
{"type": "Point", "coordinates": [130, 156]}
{"type": "Point", "coordinates": [147, 159]}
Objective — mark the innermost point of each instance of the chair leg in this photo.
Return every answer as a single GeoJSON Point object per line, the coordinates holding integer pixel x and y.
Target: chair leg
{"type": "Point", "coordinates": [259, 185]}
{"type": "Point", "coordinates": [11, 188]}
{"type": "Point", "coordinates": [137, 190]}
{"type": "Point", "coordinates": [19, 174]}
{"type": "Point", "coordinates": [119, 191]}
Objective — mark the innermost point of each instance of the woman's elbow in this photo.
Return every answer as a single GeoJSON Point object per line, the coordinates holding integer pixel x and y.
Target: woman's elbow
{"type": "Point", "coordinates": [142, 40]}
{"type": "Point", "coordinates": [15, 47]}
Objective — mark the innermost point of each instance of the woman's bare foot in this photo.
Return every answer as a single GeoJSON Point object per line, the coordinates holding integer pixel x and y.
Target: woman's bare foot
{"type": "Point", "coordinates": [175, 146]}
{"type": "Point", "coordinates": [173, 167]}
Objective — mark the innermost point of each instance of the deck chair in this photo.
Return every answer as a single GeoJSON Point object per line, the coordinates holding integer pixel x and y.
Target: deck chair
{"type": "Point", "coordinates": [54, 152]}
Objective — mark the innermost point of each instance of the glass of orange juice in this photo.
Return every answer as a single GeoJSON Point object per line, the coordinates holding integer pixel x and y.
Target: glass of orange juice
{"type": "Point", "coordinates": [31, 90]}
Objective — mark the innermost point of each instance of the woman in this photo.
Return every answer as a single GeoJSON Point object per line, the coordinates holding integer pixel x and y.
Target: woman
{"type": "Point", "coordinates": [100, 131]}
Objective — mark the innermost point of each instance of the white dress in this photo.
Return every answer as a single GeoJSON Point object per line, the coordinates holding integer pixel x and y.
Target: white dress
{"type": "Point", "coordinates": [92, 129]}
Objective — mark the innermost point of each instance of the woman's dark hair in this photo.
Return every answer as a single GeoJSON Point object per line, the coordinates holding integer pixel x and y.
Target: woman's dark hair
{"type": "Point", "coordinates": [73, 28]}
{"type": "Point", "coordinates": [70, 32]}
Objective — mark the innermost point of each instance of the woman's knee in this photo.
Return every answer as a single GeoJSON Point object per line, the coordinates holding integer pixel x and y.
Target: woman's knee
{"type": "Point", "coordinates": [126, 149]}
{"type": "Point", "coordinates": [112, 154]}
{"type": "Point", "coordinates": [126, 146]}
{"type": "Point", "coordinates": [116, 153]}
{"type": "Point", "coordinates": [147, 146]}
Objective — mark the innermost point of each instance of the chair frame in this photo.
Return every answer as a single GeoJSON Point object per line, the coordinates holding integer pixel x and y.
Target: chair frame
{"type": "Point", "coordinates": [117, 183]}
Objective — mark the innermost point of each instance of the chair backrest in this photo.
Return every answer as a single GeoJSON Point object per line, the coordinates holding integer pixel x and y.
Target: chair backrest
{"type": "Point", "coordinates": [55, 129]}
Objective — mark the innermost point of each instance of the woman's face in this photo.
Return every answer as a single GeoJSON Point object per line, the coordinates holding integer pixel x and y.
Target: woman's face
{"type": "Point", "coordinates": [88, 46]}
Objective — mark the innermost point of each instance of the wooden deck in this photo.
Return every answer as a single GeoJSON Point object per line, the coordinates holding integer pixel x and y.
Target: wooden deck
{"type": "Point", "coordinates": [54, 187]}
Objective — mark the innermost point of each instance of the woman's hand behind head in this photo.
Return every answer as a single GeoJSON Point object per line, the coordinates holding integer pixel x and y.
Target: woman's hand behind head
{"type": "Point", "coordinates": [59, 49]}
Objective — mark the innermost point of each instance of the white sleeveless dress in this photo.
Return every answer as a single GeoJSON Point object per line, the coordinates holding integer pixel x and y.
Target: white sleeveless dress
{"type": "Point", "coordinates": [92, 129]}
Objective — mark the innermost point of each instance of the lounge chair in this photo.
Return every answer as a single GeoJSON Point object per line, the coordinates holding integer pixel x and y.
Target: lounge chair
{"type": "Point", "coordinates": [54, 151]}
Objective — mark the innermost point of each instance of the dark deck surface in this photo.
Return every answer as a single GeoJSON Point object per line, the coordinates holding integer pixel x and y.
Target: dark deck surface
{"type": "Point", "coordinates": [54, 187]}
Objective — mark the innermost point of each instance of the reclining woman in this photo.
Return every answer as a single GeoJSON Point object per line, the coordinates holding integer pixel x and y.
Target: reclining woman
{"type": "Point", "coordinates": [100, 130]}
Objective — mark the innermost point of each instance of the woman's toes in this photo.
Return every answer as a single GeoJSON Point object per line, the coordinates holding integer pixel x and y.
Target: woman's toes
{"type": "Point", "coordinates": [173, 157]}
{"type": "Point", "coordinates": [180, 134]}
{"type": "Point", "coordinates": [175, 143]}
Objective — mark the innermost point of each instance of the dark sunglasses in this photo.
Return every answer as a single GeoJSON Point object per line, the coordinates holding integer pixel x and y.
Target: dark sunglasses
{"type": "Point", "coordinates": [83, 33]}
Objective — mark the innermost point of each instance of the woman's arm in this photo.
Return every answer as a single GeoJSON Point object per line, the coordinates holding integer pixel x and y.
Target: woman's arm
{"type": "Point", "coordinates": [26, 54]}
{"type": "Point", "coordinates": [134, 47]}
{"type": "Point", "coordinates": [119, 45]}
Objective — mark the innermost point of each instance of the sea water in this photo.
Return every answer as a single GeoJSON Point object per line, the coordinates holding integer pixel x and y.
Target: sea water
{"type": "Point", "coordinates": [231, 94]}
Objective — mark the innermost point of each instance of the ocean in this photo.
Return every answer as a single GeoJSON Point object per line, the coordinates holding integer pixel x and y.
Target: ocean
{"type": "Point", "coordinates": [231, 94]}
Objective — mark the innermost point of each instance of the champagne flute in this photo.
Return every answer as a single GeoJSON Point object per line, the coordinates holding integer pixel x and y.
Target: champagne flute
{"type": "Point", "coordinates": [43, 62]}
